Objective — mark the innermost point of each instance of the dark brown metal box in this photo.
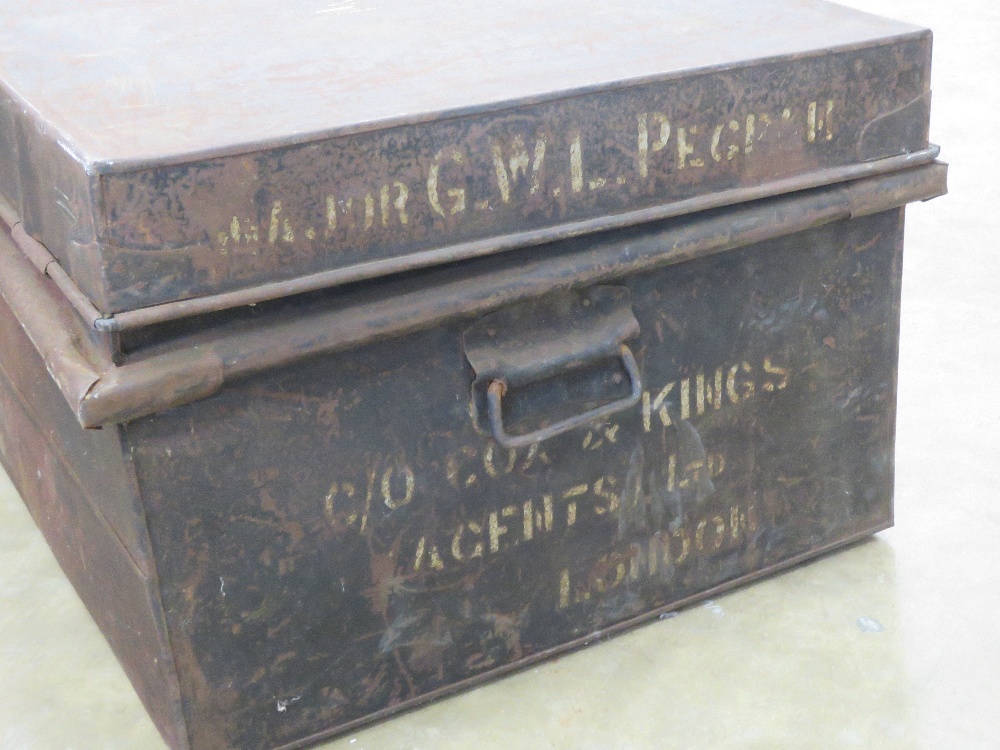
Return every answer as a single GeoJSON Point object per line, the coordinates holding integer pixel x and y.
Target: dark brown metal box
{"type": "Point", "coordinates": [353, 356]}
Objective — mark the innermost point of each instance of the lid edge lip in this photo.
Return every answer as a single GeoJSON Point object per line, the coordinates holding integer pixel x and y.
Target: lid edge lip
{"type": "Point", "coordinates": [102, 392]}
{"type": "Point", "coordinates": [383, 270]}
{"type": "Point", "coordinates": [227, 355]}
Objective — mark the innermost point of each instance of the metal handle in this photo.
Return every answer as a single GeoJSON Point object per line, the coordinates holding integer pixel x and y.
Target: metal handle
{"type": "Point", "coordinates": [498, 388]}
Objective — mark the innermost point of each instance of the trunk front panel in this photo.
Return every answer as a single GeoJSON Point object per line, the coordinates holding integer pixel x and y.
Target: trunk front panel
{"type": "Point", "coordinates": [342, 537]}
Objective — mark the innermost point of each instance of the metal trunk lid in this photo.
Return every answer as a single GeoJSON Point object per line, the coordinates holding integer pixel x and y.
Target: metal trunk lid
{"type": "Point", "coordinates": [174, 160]}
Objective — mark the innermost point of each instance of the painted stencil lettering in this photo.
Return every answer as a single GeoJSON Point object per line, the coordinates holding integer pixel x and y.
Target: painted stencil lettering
{"type": "Point", "coordinates": [544, 170]}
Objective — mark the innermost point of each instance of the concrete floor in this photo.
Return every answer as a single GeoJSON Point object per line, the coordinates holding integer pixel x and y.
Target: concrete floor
{"type": "Point", "coordinates": [894, 643]}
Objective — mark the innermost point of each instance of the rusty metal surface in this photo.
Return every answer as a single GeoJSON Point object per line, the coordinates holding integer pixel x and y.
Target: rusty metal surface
{"type": "Point", "coordinates": [43, 260]}
{"type": "Point", "coordinates": [82, 493]}
{"type": "Point", "coordinates": [372, 196]}
{"type": "Point", "coordinates": [418, 195]}
{"type": "Point", "coordinates": [560, 335]}
{"type": "Point", "coordinates": [357, 543]}
{"type": "Point", "coordinates": [156, 314]}
{"type": "Point", "coordinates": [204, 354]}
{"type": "Point", "coordinates": [95, 455]}
{"type": "Point", "coordinates": [55, 329]}
{"type": "Point", "coordinates": [793, 410]}
{"type": "Point", "coordinates": [328, 507]}
{"type": "Point", "coordinates": [125, 81]}
{"type": "Point", "coordinates": [194, 360]}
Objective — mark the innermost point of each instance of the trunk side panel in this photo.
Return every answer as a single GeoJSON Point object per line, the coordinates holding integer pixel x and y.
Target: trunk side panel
{"type": "Point", "coordinates": [80, 491]}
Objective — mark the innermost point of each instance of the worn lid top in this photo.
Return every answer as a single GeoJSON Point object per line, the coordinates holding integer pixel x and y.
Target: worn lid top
{"type": "Point", "coordinates": [125, 81]}
{"type": "Point", "coordinates": [189, 156]}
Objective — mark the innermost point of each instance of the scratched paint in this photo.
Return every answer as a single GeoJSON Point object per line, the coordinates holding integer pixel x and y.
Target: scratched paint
{"type": "Point", "coordinates": [391, 194]}
{"type": "Point", "coordinates": [383, 527]}
{"type": "Point", "coordinates": [513, 166]}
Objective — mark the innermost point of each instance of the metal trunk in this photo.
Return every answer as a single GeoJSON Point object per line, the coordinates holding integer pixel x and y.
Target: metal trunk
{"type": "Point", "coordinates": [325, 422]}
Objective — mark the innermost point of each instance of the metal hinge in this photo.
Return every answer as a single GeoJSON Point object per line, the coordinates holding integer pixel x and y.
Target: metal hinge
{"type": "Point", "coordinates": [47, 265]}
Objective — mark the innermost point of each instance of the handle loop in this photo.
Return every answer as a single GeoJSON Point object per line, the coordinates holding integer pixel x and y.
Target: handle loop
{"type": "Point", "coordinates": [497, 389]}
